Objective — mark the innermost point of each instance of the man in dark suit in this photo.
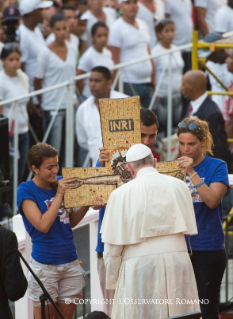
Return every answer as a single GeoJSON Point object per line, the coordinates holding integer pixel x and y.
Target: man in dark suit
{"type": "Point", "coordinates": [13, 283]}
{"type": "Point", "coordinates": [194, 88]}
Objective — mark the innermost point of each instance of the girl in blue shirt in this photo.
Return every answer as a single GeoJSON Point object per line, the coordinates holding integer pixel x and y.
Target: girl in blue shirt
{"type": "Point", "coordinates": [54, 258]}
{"type": "Point", "coordinates": [207, 179]}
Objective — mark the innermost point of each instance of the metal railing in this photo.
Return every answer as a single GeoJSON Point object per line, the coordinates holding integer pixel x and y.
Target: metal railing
{"type": "Point", "coordinates": [69, 85]}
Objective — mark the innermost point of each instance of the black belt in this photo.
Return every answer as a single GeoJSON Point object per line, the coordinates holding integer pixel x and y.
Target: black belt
{"type": "Point", "coordinates": [99, 255]}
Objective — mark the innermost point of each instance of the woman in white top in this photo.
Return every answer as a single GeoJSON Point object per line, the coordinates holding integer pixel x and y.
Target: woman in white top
{"type": "Point", "coordinates": [56, 64]}
{"type": "Point", "coordinates": [15, 83]}
{"type": "Point", "coordinates": [165, 31]}
{"type": "Point", "coordinates": [96, 55]}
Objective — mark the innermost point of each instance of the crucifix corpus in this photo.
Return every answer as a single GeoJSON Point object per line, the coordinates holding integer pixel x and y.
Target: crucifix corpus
{"type": "Point", "coordinates": [120, 124]}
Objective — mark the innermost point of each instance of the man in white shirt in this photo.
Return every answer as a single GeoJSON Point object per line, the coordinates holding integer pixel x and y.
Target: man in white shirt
{"type": "Point", "coordinates": [181, 10]}
{"type": "Point", "coordinates": [224, 18]}
{"type": "Point", "coordinates": [88, 127]}
{"type": "Point", "coordinates": [31, 43]}
{"type": "Point", "coordinates": [194, 88]}
{"type": "Point", "coordinates": [129, 39]}
{"type": "Point", "coordinates": [151, 11]}
{"type": "Point", "coordinates": [31, 38]}
{"type": "Point", "coordinates": [205, 12]}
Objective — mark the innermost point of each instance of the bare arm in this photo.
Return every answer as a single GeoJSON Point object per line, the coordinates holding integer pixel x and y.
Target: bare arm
{"type": "Point", "coordinates": [77, 214]}
{"type": "Point", "coordinates": [38, 86]}
{"type": "Point", "coordinates": [1, 108]}
{"type": "Point", "coordinates": [82, 46]}
{"type": "Point", "coordinates": [43, 222]}
{"type": "Point", "coordinates": [201, 20]}
{"type": "Point", "coordinates": [229, 127]}
{"type": "Point", "coordinates": [80, 83]}
{"type": "Point", "coordinates": [104, 156]}
{"type": "Point", "coordinates": [153, 70]}
{"type": "Point", "coordinates": [115, 57]}
{"type": "Point", "coordinates": [212, 194]}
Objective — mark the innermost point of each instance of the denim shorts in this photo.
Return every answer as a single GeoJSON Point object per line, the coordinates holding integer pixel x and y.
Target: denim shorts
{"type": "Point", "coordinates": [61, 281]}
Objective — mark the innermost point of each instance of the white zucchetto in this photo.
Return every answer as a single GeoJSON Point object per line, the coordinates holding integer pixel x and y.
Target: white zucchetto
{"type": "Point", "coordinates": [137, 152]}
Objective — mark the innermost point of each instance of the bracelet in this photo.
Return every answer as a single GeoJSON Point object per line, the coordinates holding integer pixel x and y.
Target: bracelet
{"type": "Point", "coordinates": [198, 185]}
{"type": "Point", "coordinates": [192, 175]}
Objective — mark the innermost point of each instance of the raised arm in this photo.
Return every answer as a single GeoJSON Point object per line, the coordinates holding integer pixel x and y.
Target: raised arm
{"type": "Point", "coordinates": [43, 222]}
{"type": "Point", "coordinates": [104, 156]}
{"type": "Point", "coordinates": [212, 194]}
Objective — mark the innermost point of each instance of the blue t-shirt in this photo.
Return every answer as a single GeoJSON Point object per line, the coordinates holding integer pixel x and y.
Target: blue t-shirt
{"type": "Point", "coordinates": [209, 221]}
{"type": "Point", "coordinates": [57, 246]}
{"type": "Point", "coordinates": [100, 245]}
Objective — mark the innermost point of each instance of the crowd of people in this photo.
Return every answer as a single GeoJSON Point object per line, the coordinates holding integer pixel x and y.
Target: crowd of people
{"type": "Point", "coordinates": [48, 42]}
{"type": "Point", "coordinates": [58, 39]}
{"type": "Point", "coordinates": [44, 43]}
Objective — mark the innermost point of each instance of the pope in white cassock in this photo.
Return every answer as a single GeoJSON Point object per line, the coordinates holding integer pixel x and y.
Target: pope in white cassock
{"type": "Point", "coordinates": [145, 251]}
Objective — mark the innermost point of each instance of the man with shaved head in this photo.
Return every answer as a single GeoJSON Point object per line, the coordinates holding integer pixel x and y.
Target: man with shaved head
{"type": "Point", "coordinates": [194, 88]}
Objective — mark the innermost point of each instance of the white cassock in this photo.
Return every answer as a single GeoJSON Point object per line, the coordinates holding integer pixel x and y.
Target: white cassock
{"type": "Point", "coordinates": [145, 251]}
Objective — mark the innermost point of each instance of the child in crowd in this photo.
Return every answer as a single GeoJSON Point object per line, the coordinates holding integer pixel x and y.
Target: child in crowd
{"type": "Point", "coordinates": [96, 55]}
{"type": "Point", "coordinates": [165, 31]}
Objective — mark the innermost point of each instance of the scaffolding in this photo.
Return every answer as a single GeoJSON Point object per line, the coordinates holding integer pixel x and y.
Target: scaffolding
{"type": "Point", "coordinates": [196, 61]}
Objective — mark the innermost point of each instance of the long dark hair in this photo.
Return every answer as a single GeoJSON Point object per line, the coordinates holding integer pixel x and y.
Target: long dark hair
{"type": "Point", "coordinates": [9, 48]}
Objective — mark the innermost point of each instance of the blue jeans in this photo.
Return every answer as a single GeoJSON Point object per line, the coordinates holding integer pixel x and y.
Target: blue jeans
{"type": "Point", "coordinates": [56, 136]}
{"type": "Point", "coordinates": [23, 148]}
{"type": "Point", "coordinates": [209, 267]}
{"type": "Point", "coordinates": [144, 90]}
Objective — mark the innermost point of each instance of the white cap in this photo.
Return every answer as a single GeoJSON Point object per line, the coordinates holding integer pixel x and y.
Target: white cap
{"type": "Point", "coordinates": [120, 1]}
{"type": "Point", "coordinates": [28, 6]}
{"type": "Point", "coordinates": [137, 152]}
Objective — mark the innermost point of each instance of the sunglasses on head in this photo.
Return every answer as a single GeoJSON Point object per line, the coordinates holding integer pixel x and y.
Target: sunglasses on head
{"type": "Point", "coordinates": [11, 45]}
{"type": "Point", "coordinates": [190, 126]}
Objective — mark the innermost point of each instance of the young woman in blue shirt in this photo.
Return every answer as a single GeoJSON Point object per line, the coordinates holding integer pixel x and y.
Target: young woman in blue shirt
{"type": "Point", "coordinates": [207, 179]}
{"type": "Point", "coordinates": [54, 258]}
